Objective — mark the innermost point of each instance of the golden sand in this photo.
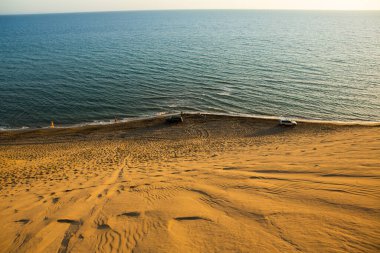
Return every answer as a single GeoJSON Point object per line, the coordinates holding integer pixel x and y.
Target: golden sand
{"type": "Point", "coordinates": [211, 184]}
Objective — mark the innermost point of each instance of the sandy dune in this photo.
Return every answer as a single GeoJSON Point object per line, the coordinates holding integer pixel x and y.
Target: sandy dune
{"type": "Point", "coordinates": [212, 184]}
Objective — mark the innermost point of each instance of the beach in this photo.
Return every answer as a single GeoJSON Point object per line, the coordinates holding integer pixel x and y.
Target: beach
{"type": "Point", "coordinates": [211, 184]}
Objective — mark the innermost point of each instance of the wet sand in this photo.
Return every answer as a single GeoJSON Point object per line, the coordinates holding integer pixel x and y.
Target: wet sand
{"type": "Point", "coordinates": [211, 184]}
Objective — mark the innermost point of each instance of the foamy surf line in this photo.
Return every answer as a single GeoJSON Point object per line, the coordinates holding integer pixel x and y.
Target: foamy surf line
{"type": "Point", "coordinates": [99, 123]}
{"type": "Point", "coordinates": [298, 119]}
{"type": "Point", "coordinates": [93, 123]}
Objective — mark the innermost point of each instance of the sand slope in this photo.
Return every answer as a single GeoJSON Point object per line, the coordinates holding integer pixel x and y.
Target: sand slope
{"type": "Point", "coordinates": [212, 184]}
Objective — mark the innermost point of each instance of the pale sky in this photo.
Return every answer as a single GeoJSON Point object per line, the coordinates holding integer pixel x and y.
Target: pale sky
{"type": "Point", "coordinates": [49, 6]}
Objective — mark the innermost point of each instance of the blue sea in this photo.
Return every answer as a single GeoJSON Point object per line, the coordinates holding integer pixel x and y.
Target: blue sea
{"type": "Point", "coordinates": [93, 67]}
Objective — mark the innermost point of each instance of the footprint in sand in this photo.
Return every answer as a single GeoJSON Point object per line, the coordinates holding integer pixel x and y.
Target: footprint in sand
{"type": "Point", "coordinates": [74, 222]}
{"type": "Point", "coordinates": [191, 218]}
{"type": "Point", "coordinates": [23, 221]}
{"type": "Point", "coordinates": [130, 214]}
{"type": "Point", "coordinates": [230, 168]}
{"type": "Point", "coordinates": [103, 227]}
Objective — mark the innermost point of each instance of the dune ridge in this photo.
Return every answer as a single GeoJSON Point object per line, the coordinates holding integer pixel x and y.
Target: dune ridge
{"type": "Point", "coordinates": [211, 184]}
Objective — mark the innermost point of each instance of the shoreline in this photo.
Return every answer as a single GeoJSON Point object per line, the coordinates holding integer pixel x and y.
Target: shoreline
{"type": "Point", "coordinates": [106, 123]}
{"type": "Point", "coordinates": [156, 127]}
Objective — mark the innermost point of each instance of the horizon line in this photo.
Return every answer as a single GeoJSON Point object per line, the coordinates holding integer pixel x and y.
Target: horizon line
{"type": "Point", "coordinates": [200, 9]}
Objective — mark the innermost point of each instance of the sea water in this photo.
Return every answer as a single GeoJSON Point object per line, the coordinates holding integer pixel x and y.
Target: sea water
{"type": "Point", "coordinates": [93, 67]}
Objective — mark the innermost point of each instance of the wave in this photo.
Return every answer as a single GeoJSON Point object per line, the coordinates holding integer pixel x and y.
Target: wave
{"type": "Point", "coordinates": [3, 128]}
